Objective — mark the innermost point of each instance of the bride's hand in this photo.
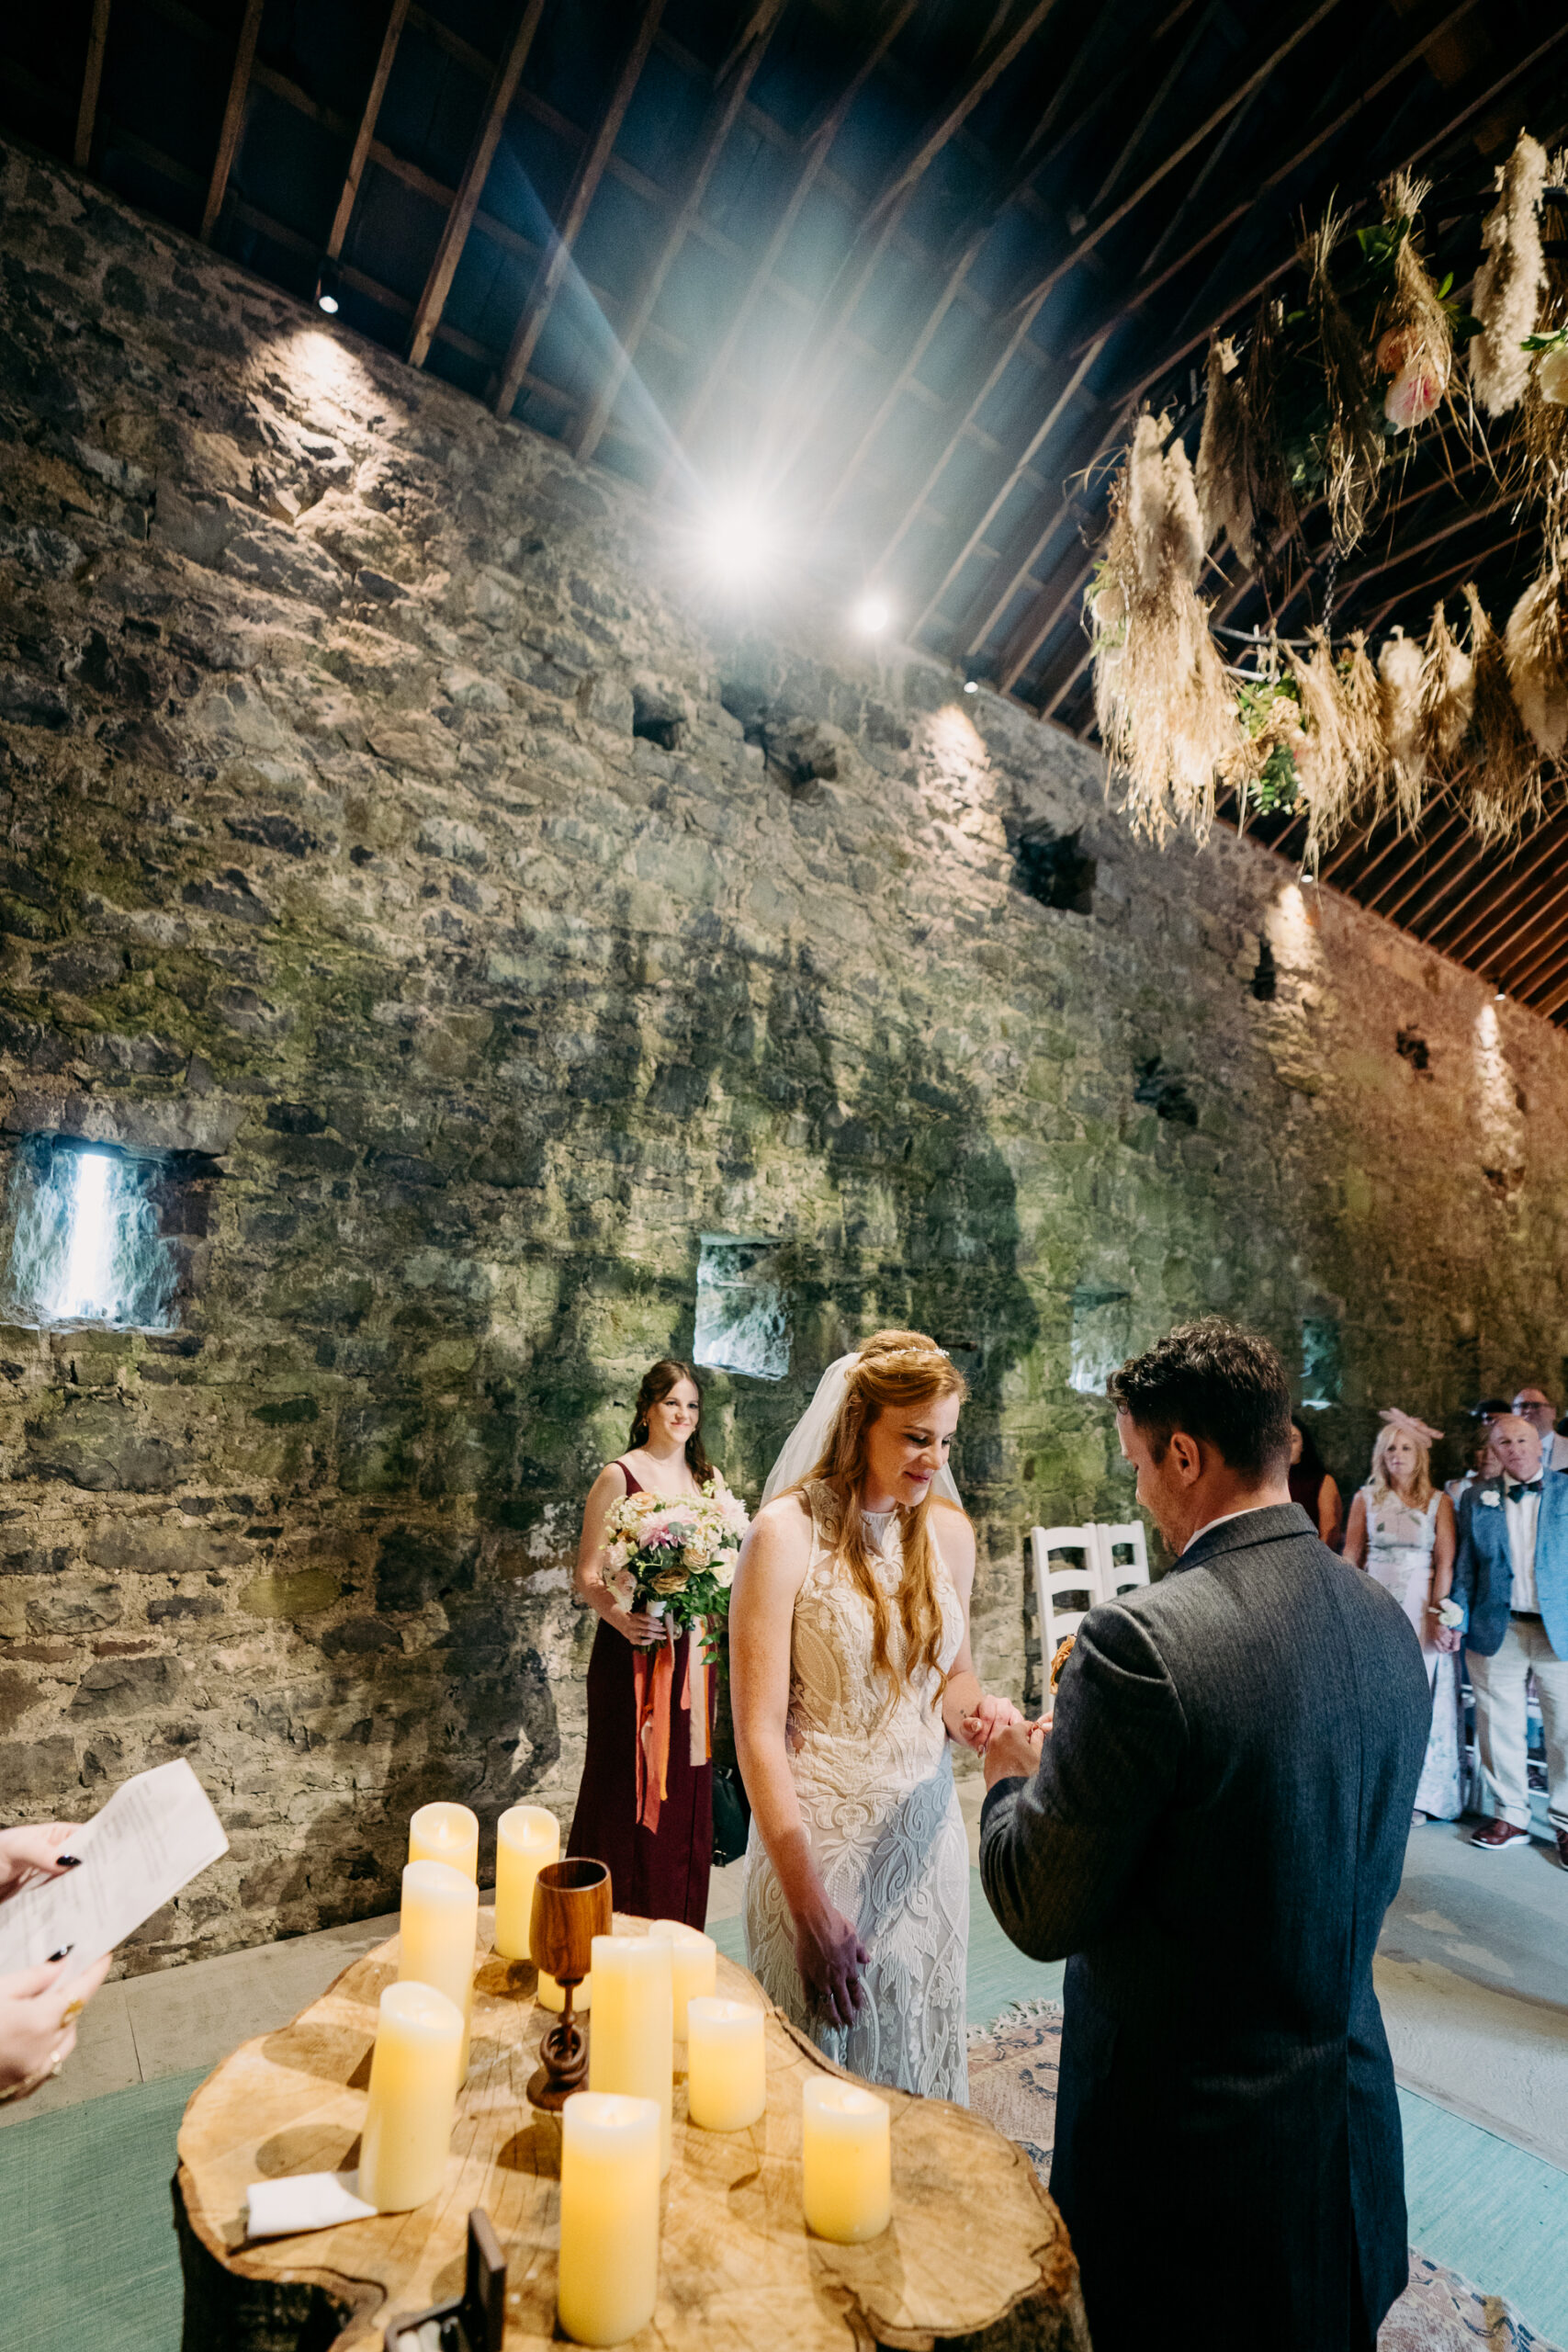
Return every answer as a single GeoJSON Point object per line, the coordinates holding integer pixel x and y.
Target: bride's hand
{"type": "Point", "coordinates": [830, 1956]}
{"type": "Point", "coordinates": [642, 1631]}
{"type": "Point", "coordinates": [992, 1716]}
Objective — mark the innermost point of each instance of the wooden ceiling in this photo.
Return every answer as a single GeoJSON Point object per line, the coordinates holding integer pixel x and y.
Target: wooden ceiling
{"type": "Point", "coordinates": [906, 268]}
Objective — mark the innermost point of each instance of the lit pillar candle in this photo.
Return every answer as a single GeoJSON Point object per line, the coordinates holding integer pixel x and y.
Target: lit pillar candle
{"type": "Point", "coordinates": [445, 1832]}
{"type": "Point", "coordinates": [631, 2050]}
{"type": "Point", "coordinates": [609, 2216]}
{"type": "Point", "coordinates": [693, 1963]}
{"type": "Point", "coordinates": [436, 1929]}
{"type": "Point", "coordinates": [726, 2066]}
{"type": "Point", "coordinates": [847, 2159]}
{"type": "Point", "coordinates": [527, 1837]}
{"type": "Point", "coordinates": [413, 2087]}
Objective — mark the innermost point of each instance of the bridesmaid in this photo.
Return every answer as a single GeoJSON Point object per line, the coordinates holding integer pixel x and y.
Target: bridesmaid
{"type": "Point", "coordinates": [660, 1861]}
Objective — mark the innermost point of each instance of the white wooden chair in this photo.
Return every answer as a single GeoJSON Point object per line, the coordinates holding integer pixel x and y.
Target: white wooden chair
{"type": "Point", "coordinates": [1054, 1583]}
{"type": "Point", "coordinates": [1120, 1576]}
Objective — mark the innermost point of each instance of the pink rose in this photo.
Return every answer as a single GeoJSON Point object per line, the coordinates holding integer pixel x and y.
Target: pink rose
{"type": "Point", "coordinates": [1413, 394]}
{"type": "Point", "coordinates": [1389, 357]}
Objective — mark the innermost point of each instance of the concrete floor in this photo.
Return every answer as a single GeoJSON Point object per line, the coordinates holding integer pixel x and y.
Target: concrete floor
{"type": "Point", "coordinates": [1471, 1971]}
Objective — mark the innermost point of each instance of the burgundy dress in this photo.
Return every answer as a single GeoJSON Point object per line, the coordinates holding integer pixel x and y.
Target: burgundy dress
{"type": "Point", "coordinates": [654, 1873]}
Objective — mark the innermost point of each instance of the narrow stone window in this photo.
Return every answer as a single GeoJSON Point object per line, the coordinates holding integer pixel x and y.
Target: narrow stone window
{"type": "Point", "coordinates": [1102, 1337]}
{"type": "Point", "coordinates": [1413, 1050]}
{"type": "Point", "coordinates": [1320, 1374]}
{"type": "Point", "coordinates": [743, 1324]}
{"type": "Point", "coordinates": [1056, 869]}
{"type": "Point", "coordinates": [91, 1238]}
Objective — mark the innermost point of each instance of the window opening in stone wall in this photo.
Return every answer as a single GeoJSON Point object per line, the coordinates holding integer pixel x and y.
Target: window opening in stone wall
{"type": "Point", "coordinates": [1265, 979]}
{"type": "Point", "coordinates": [1056, 869]}
{"type": "Point", "coordinates": [742, 1323]}
{"type": "Point", "coordinates": [89, 1238]}
{"type": "Point", "coordinates": [1164, 1091]}
{"type": "Point", "coordinates": [1320, 1360]}
{"type": "Point", "coordinates": [1415, 1050]}
{"type": "Point", "coordinates": [1102, 1337]}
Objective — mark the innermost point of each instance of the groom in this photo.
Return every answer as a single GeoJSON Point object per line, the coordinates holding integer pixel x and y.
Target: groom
{"type": "Point", "coordinates": [1212, 1828]}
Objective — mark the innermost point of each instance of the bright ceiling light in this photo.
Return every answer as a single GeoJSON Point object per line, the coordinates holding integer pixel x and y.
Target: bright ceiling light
{"type": "Point", "coordinates": [739, 542]}
{"type": "Point", "coordinates": [872, 615]}
{"type": "Point", "coordinates": [971, 686]}
{"type": "Point", "coordinates": [327, 289]}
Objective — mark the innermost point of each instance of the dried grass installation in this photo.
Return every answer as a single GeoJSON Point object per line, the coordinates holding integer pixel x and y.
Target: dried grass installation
{"type": "Point", "coordinates": [1448, 699]}
{"type": "Point", "coordinates": [1322, 763]}
{"type": "Point", "coordinates": [1399, 669]}
{"type": "Point", "coordinates": [1538, 446]}
{"type": "Point", "coordinates": [1366, 765]}
{"type": "Point", "coordinates": [1503, 764]}
{"type": "Point", "coordinates": [1164, 703]}
{"type": "Point", "coordinates": [1536, 646]}
{"type": "Point", "coordinates": [1225, 498]}
{"type": "Point", "coordinates": [1506, 297]}
{"type": "Point", "coordinates": [1270, 492]}
{"type": "Point", "coordinates": [1353, 445]}
{"type": "Point", "coordinates": [1415, 344]}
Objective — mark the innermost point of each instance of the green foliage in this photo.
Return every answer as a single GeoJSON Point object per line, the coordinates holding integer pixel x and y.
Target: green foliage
{"type": "Point", "coordinates": [1276, 789]}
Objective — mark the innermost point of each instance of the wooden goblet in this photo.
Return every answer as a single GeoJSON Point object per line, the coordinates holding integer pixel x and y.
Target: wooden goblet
{"type": "Point", "coordinates": [572, 1906]}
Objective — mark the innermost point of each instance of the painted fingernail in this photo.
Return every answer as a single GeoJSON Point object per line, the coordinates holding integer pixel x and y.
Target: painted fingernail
{"type": "Point", "coordinates": [69, 1861]}
{"type": "Point", "coordinates": [64, 1951]}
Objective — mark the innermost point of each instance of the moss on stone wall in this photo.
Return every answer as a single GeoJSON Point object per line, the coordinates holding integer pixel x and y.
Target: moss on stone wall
{"type": "Point", "coordinates": [388, 826]}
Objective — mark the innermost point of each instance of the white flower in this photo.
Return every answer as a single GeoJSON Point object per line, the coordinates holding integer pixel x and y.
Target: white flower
{"type": "Point", "coordinates": [724, 1572]}
{"type": "Point", "coordinates": [1490, 1495]}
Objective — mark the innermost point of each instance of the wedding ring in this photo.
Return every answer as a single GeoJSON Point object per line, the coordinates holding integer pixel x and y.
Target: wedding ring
{"type": "Point", "coordinates": [72, 2010]}
{"type": "Point", "coordinates": [56, 2062]}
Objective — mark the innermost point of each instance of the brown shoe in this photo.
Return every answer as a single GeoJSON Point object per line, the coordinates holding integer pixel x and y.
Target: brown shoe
{"type": "Point", "coordinates": [1500, 1834]}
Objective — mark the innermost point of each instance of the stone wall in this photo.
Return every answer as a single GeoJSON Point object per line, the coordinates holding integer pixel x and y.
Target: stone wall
{"type": "Point", "coordinates": [391, 830]}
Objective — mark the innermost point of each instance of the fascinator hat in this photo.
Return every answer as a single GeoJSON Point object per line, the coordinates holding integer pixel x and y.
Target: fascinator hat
{"type": "Point", "coordinates": [807, 1442]}
{"type": "Point", "coordinates": [1421, 1432]}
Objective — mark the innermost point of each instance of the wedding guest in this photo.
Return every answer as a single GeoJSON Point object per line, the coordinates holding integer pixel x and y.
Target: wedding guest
{"type": "Point", "coordinates": [1401, 1532]}
{"type": "Point", "coordinates": [37, 2011]}
{"type": "Point", "coordinates": [1511, 1582]}
{"type": "Point", "coordinates": [1533, 1405]}
{"type": "Point", "coordinates": [851, 1675]}
{"type": "Point", "coordinates": [1484, 1464]}
{"type": "Point", "coordinates": [1212, 1828]}
{"type": "Point", "coordinates": [660, 1850]}
{"type": "Point", "coordinates": [1312, 1487]}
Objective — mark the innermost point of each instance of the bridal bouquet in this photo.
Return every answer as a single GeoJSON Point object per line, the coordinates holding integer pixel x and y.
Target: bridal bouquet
{"type": "Point", "coordinates": [681, 1554]}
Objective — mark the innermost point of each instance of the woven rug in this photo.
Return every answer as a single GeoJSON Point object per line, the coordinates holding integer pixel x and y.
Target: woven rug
{"type": "Point", "coordinates": [1012, 2081]}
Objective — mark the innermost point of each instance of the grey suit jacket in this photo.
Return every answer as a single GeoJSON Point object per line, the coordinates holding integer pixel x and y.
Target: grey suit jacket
{"type": "Point", "coordinates": [1216, 1828]}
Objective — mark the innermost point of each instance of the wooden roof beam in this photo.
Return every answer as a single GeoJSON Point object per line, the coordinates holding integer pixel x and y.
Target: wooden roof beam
{"type": "Point", "coordinates": [92, 79]}
{"type": "Point", "coordinates": [730, 95]}
{"type": "Point", "coordinates": [365, 135]}
{"type": "Point", "coordinates": [574, 211]}
{"type": "Point", "coordinates": [455, 234]}
{"type": "Point", "coordinates": [1542, 946]}
{"type": "Point", "coordinates": [234, 118]}
{"type": "Point", "coordinates": [1452, 831]}
{"type": "Point", "coordinates": [1433, 582]}
{"type": "Point", "coordinates": [1481, 934]}
{"type": "Point", "coordinates": [1550, 851]}
{"type": "Point", "coordinates": [996, 55]}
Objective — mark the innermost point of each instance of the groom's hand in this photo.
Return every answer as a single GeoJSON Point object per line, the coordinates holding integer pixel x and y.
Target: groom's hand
{"type": "Point", "coordinates": [830, 1956]}
{"type": "Point", "coordinates": [1014, 1753]}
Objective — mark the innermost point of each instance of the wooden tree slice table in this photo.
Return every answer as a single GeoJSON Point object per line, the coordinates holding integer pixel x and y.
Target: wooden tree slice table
{"type": "Point", "coordinates": [976, 2256]}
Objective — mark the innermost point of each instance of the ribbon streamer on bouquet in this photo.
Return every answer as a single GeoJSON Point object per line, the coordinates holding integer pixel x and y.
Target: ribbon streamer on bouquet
{"type": "Point", "coordinates": [653, 1685]}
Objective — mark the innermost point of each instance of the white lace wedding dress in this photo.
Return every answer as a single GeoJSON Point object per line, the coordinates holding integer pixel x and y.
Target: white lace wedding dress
{"type": "Point", "coordinates": [876, 1792]}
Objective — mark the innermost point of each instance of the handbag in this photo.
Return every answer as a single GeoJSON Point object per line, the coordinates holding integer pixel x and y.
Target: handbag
{"type": "Point", "coordinates": [731, 1814]}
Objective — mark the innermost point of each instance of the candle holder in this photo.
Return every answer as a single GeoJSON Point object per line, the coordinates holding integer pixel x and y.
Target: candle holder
{"type": "Point", "coordinates": [572, 1906]}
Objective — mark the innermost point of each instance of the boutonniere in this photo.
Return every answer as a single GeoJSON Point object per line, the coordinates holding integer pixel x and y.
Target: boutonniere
{"type": "Point", "coordinates": [1490, 1495]}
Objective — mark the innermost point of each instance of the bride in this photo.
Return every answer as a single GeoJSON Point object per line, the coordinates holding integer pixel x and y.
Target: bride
{"type": "Point", "coordinates": [850, 1672]}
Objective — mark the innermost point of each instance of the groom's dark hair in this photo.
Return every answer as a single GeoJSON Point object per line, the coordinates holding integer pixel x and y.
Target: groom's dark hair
{"type": "Point", "coordinates": [1217, 1383]}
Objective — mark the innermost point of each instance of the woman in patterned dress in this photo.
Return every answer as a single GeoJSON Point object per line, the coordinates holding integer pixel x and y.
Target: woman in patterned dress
{"type": "Point", "coordinates": [1401, 1532]}
{"type": "Point", "coordinates": [850, 1676]}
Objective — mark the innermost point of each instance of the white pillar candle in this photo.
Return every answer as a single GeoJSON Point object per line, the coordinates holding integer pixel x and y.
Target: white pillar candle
{"type": "Point", "coordinates": [727, 2065]}
{"type": "Point", "coordinates": [631, 2049]}
{"type": "Point", "coordinates": [694, 1961]}
{"type": "Point", "coordinates": [436, 1929]}
{"type": "Point", "coordinates": [445, 1832]}
{"type": "Point", "coordinates": [413, 2087]}
{"type": "Point", "coordinates": [527, 1837]}
{"type": "Point", "coordinates": [847, 2160]}
{"type": "Point", "coordinates": [609, 2216]}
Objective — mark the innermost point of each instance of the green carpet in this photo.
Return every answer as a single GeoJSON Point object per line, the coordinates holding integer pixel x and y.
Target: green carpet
{"type": "Point", "coordinates": [87, 2225]}
{"type": "Point", "coordinates": [88, 2238]}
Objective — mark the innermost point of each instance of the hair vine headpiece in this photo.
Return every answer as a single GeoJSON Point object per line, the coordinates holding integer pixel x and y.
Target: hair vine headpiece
{"type": "Point", "coordinates": [1421, 1432]}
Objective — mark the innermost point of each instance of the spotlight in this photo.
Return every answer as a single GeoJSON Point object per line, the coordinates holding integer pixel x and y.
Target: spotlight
{"type": "Point", "coordinates": [1501, 995]}
{"type": "Point", "coordinates": [872, 615]}
{"type": "Point", "coordinates": [971, 686]}
{"type": "Point", "coordinates": [738, 541]}
{"type": "Point", "coordinates": [327, 289]}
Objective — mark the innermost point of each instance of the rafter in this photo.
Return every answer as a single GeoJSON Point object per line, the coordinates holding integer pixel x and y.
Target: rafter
{"type": "Point", "coordinates": [365, 135]}
{"type": "Point", "coordinates": [996, 55]}
{"type": "Point", "coordinates": [234, 118]}
{"type": "Point", "coordinates": [730, 95]}
{"type": "Point", "coordinates": [1483, 935]}
{"type": "Point", "coordinates": [1511, 892]}
{"type": "Point", "coordinates": [1543, 947]}
{"type": "Point", "coordinates": [574, 211]}
{"type": "Point", "coordinates": [92, 77]}
{"type": "Point", "coordinates": [815, 147]}
{"type": "Point", "coordinates": [1454, 839]}
{"type": "Point", "coordinates": [455, 234]}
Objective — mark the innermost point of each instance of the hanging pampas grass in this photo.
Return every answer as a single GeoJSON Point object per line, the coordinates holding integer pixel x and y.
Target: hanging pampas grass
{"type": "Point", "coordinates": [1321, 764]}
{"type": "Point", "coordinates": [1507, 293]}
{"type": "Point", "coordinates": [1353, 445]}
{"type": "Point", "coordinates": [1447, 697]}
{"type": "Point", "coordinates": [1367, 763]}
{"type": "Point", "coordinates": [1536, 646]}
{"type": "Point", "coordinates": [1399, 669]}
{"type": "Point", "coordinates": [1224, 499]}
{"type": "Point", "coordinates": [1503, 764]}
{"type": "Point", "coordinates": [1166, 711]}
{"type": "Point", "coordinates": [1270, 492]}
{"type": "Point", "coordinates": [1415, 345]}
{"type": "Point", "coordinates": [1538, 449]}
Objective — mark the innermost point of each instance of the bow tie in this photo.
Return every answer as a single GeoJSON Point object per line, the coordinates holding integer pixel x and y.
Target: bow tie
{"type": "Point", "coordinates": [1523, 1487]}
